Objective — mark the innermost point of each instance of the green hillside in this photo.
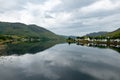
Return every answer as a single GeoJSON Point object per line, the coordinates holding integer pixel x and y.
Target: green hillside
{"type": "Point", "coordinates": [114, 34]}
{"type": "Point", "coordinates": [23, 30]}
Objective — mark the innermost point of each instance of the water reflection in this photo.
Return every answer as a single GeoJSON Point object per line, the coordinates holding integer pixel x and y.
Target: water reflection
{"type": "Point", "coordinates": [25, 47]}
{"type": "Point", "coordinates": [63, 62]}
{"type": "Point", "coordinates": [110, 46]}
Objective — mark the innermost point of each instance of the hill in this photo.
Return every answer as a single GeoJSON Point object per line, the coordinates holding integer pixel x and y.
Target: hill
{"type": "Point", "coordinates": [23, 30]}
{"type": "Point", "coordinates": [113, 34]}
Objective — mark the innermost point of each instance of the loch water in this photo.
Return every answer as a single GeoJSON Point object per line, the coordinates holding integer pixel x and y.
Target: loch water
{"type": "Point", "coordinates": [52, 61]}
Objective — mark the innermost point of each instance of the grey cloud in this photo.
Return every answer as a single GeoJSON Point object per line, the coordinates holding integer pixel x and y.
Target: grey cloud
{"type": "Point", "coordinates": [99, 14]}
{"type": "Point", "coordinates": [48, 16]}
{"type": "Point", "coordinates": [69, 5]}
{"type": "Point", "coordinates": [74, 29]}
{"type": "Point", "coordinates": [11, 5]}
{"type": "Point", "coordinates": [16, 4]}
{"type": "Point", "coordinates": [105, 21]}
{"type": "Point", "coordinates": [108, 23]}
{"type": "Point", "coordinates": [36, 1]}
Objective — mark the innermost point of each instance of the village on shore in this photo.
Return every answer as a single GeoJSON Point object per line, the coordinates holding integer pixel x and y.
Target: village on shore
{"type": "Point", "coordinates": [96, 41]}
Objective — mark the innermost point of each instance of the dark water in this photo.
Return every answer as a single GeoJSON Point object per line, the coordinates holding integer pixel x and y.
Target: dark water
{"type": "Point", "coordinates": [51, 61]}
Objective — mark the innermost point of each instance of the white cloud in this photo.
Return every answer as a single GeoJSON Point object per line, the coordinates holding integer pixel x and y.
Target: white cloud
{"type": "Point", "coordinates": [46, 6]}
{"type": "Point", "coordinates": [101, 5]}
{"type": "Point", "coordinates": [108, 20]}
{"type": "Point", "coordinates": [60, 19]}
{"type": "Point", "coordinates": [39, 12]}
{"type": "Point", "coordinates": [31, 12]}
{"type": "Point", "coordinates": [11, 5]}
{"type": "Point", "coordinates": [64, 16]}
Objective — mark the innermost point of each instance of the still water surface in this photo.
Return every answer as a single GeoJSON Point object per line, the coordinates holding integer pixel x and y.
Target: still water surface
{"type": "Point", "coordinates": [60, 62]}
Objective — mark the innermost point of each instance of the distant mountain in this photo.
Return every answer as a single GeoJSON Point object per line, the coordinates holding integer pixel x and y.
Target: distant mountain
{"type": "Point", "coordinates": [23, 30]}
{"type": "Point", "coordinates": [94, 34]}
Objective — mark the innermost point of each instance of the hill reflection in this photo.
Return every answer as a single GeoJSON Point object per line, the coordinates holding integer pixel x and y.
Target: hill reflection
{"type": "Point", "coordinates": [25, 47]}
{"type": "Point", "coordinates": [113, 47]}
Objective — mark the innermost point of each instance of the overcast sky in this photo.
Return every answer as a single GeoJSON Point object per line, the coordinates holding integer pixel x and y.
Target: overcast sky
{"type": "Point", "coordinates": [65, 17]}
